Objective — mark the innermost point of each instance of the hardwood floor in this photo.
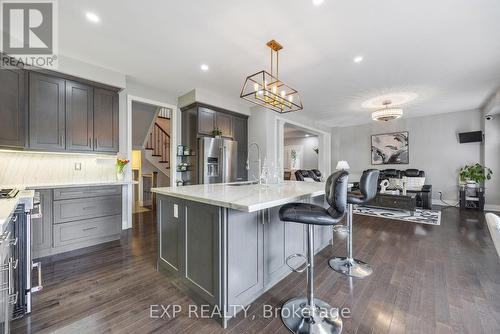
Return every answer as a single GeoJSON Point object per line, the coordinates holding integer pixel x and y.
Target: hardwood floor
{"type": "Point", "coordinates": [427, 279]}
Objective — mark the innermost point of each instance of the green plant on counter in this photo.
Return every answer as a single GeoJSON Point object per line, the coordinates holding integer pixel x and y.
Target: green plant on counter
{"type": "Point", "coordinates": [477, 173]}
{"type": "Point", "coordinates": [316, 149]}
{"type": "Point", "coordinates": [216, 132]}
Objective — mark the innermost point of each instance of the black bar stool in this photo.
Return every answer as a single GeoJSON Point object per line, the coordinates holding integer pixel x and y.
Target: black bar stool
{"type": "Point", "coordinates": [313, 315]}
{"type": "Point", "coordinates": [367, 191]}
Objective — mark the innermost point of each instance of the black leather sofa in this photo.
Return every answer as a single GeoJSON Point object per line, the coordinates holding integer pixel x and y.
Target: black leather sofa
{"type": "Point", "coordinates": [423, 195]}
{"type": "Point", "coordinates": [314, 174]}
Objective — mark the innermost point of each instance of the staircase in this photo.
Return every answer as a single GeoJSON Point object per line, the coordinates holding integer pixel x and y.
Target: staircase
{"type": "Point", "coordinates": [157, 143]}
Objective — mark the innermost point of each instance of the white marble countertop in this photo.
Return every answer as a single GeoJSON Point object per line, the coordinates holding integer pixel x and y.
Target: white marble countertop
{"type": "Point", "coordinates": [9, 205]}
{"type": "Point", "coordinates": [248, 197]}
{"type": "Point", "coordinates": [69, 185]}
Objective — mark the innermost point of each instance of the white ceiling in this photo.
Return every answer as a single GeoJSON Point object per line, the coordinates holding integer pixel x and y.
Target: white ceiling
{"type": "Point", "coordinates": [446, 51]}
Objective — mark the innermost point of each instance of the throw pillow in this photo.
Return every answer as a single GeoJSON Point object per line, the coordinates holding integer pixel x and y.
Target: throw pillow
{"type": "Point", "coordinates": [414, 183]}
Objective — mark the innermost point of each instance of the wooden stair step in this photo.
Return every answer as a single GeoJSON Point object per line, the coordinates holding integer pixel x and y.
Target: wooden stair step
{"type": "Point", "coordinates": [164, 161]}
{"type": "Point", "coordinates": [163, 117]}
{"type": "Point", "coordinates": [156, 155]}
{"type": "Point", "coordinates": [149, 148]}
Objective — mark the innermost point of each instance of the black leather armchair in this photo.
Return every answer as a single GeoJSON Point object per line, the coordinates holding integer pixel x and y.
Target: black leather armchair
{"type": "Point", "coordinates": [316, 175]}
{"type": "Point", "coordinates": [424, 195]}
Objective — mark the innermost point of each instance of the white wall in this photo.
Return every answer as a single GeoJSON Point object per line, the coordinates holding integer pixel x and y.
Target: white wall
{"type": "Point", "coordinates": [142, 117]}
{"type": "Point", "coordinates": [309, 159]}
{"type": "Point", "coordinates": [264, 129]}
{"type": "Point", "coordinates": [492, 160]}
{"type": "Point", "coordinates": [433, 146]}
{"type": "Point", "coordinates": [81, 69]}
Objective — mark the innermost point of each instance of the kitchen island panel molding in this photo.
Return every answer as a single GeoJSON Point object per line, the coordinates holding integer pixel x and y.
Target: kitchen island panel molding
{"type": "Point", "coordinates": [227, 256]}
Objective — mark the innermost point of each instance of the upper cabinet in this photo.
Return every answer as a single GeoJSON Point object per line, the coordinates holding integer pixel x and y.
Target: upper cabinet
{"type": "Point", "coordinates": [47, 112]}
{"type": "Point", "coordinates": [64, 113]}
{"type": "Point", "coordinates": [224, 123]}
{"type": "Point", "coordinates": [199, 120]}
{"type": "Point", "coordinates": [206, 121]}
{"type": "Point", "coordinates": [12, 108]}
{"type": "Point", "coordinates": [209, 119]}
{"type": "Point", "coordinates": [79, 116]}
{"type": "Point", "coordinates": [105, 120]}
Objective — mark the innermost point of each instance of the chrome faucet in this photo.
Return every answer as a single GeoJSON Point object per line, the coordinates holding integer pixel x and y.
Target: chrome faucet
{"type": "Point", "coordinates": [258, 160]}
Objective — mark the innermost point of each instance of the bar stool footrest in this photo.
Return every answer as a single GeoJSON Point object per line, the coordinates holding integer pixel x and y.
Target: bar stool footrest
{"type": "Point", "coordinates": [298, 269]}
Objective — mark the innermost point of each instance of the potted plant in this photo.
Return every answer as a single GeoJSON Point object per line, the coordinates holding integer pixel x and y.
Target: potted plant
{"type": "Point", "coordinates": [120, 165]}
{"type": "Point", "coordinates": [216, 132]}
{"type": "Point", "coordinates": [475, 174]}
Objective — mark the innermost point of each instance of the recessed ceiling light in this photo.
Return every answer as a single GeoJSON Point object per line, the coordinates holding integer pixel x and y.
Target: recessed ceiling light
{"type": "Point", "coordinates": [318, 2]}
{"type": "Point", "coordinates": [204, 67]}
{"type": "Point", "coordinates": [358, 59]}
{"type": "Point", "coordinates": [92, 17]}
{"type": "Point", "coordinates": [307, 135]}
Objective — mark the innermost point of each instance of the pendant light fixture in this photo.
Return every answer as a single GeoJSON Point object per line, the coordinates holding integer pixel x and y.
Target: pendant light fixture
{"type": "Point", "coordinates": [267, 90]}
{"type": "Point", "coordinates": [387, 113]}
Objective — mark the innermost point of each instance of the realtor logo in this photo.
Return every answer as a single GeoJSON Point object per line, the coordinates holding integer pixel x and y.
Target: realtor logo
{"type": "Point", "coordinates": [29, 32]}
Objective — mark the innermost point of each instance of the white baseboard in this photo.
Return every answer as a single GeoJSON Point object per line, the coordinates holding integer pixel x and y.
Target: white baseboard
{"type": "Point", "coordinates": [492, 207]}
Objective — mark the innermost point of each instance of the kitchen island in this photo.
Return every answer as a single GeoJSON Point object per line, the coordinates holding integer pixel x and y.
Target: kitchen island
{"type": "Point", "coordinates": [225, 245]}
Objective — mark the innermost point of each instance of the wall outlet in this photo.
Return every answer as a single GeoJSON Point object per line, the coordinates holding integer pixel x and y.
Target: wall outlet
{"type": "Point", "coordinates": [78, 166]}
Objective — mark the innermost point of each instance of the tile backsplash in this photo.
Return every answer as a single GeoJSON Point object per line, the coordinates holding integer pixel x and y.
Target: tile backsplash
{"type": "Point", "coordinates": [32, 168]}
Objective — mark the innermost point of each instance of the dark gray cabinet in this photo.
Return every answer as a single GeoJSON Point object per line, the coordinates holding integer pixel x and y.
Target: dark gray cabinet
{"type": "Point", "coordinates": [13, 114]}
{"type": "Point", "coordinates": [206, 121]}
{"type": "Point", "coordinates": [240, 134]}
{"type": "Point", "coordinates": [199, 120]}
{"type": "Point", "coordinates": [47, 115]}
{"type": "Point", "coordinates": [105, 120]}
{"type": "Point", "coordinates": [41, 110]}
{"type": "Point", "coordinates": [169, 233]}
{"type": "Point", "coordinates": [224, 123]}
{"type": "Point", "coordinates": [73, 218]}
{"type": "Point", "coordinates": [41, 228]}
{"type": "Point", "coordinates": [79, 116]}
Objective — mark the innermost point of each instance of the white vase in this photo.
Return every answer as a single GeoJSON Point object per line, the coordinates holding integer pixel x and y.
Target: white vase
{"type": "Point", "coordinates": [120, 176]}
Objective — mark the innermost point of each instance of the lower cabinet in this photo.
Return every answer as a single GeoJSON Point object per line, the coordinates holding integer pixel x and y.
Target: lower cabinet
{"type": "Point", "coordinates": [72, 220]}
{"type": "Point", "coordinates": [41, 228]}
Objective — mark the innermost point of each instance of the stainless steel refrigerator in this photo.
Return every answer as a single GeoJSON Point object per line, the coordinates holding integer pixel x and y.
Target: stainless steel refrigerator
{"type": "Point", "coordinates": [218, 160]}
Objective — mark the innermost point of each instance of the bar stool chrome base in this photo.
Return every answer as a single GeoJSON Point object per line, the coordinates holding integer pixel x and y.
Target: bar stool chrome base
{"type": "Point", "coordinates": [350, 267]}
{"type": "Point", "coordinates": [323, 319]}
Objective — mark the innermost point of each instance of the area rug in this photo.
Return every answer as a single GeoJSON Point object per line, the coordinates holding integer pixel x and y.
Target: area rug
{"type": "Point", "coordinates": [422, 216]}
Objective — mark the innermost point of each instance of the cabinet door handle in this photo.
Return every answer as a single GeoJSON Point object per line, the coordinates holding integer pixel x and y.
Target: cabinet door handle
{"type": "Point", "coordinates": [89, 228]}
{"type": "Point", "coordinates": [90, 142]}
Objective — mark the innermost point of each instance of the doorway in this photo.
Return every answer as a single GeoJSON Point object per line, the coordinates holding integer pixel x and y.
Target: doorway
{"type": "Point", "coordinates": [300, 147]}
{"type": "Point", "coordinates": [134, 123]}
{"type": "Point", "coordinates": [300, 150]}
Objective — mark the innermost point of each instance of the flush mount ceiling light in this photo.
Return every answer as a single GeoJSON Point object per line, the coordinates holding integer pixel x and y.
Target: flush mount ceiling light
{"type": "Point", "coordinates": [318, 2]}
{"type": "Point", "coordinates": [204, 67]}
{"type": "Point", "coordinates": [92, 17]}
{"type": "Point", "coordinates": [387, 113]}
{"type": "Point", "coordinates": [267, 90]}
